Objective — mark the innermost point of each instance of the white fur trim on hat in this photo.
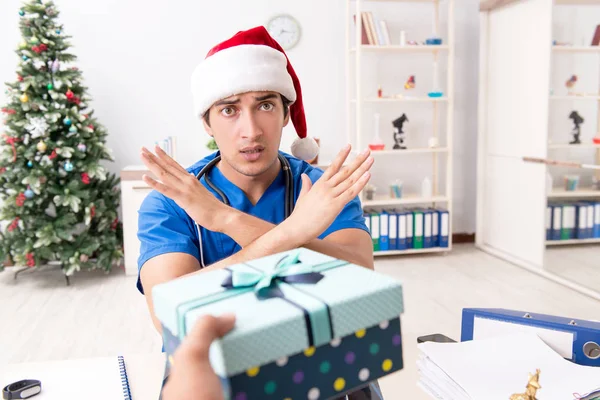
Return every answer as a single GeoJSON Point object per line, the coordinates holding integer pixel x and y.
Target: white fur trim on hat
{"type": "Point", "coordinates": [237, 70]}
{"type": "Point", "coordinates": [305, 149]}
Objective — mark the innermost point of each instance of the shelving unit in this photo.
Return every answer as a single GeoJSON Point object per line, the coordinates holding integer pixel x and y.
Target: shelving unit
{"type": "Point", "coordinates": [587, 146]}
{"type": "Point", "coordinates": [361, 56]}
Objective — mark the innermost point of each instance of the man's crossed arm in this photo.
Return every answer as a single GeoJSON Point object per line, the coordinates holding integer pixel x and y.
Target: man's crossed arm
{"type": "Point", "coordinates": [316, 208]}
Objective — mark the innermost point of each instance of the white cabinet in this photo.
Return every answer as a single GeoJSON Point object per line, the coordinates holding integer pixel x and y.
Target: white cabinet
{"type": "Point", "coordinates": [133, 192]}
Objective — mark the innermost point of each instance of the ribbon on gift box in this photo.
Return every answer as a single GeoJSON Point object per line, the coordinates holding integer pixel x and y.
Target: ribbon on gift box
{"type": "Point", "coordinates": [286, 273]}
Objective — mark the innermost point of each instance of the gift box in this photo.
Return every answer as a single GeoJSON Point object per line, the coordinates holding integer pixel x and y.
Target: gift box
{"type": "Point", "coordinates": [308, 326]}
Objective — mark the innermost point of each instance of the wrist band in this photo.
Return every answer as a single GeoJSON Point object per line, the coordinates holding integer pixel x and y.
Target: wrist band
{"type": "Point", "coordinates": [22, 389]}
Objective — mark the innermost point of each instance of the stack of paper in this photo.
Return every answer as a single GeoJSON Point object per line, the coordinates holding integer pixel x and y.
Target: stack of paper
{"type": "Point", "coordinates": [499, 367]}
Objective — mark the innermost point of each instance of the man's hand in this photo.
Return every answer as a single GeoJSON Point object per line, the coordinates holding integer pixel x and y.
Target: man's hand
{"type": "Point", "coordinates": [318, 205]}
{"type": "Point", "coordinates": [192, 377]}
{"type": "Point", "coordinates": [183, 188]}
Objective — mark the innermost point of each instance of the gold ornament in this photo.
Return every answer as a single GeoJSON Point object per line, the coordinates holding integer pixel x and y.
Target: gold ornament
{"type": "Point", "coordinates": [41, 146]}
{"type": "Point", "coordinates": [531, 389]}
{"type": "Point", "coordinates": [24, 98]}
{"type": "Point", "coordinates": [23, 45]}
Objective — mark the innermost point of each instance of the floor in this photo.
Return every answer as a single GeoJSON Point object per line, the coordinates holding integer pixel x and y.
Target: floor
{"type": "Point", "coordinates": [101, 316]}
{"type": "Point", "coordinates": [580, 263]}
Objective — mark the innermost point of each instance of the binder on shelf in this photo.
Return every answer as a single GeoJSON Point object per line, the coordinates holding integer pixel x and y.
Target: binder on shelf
{"type": "Point", "coordinates": [375, 230]}
{"type": "Point", "coordinates": [549, 212]}
{"type": "Point", "coordinates": [444, 216]}
{"type": "Point", "coordinates": [410, 218]}
{"type": "Point", "coordinates": [568, 222]}
{"type": "Point", "coordinates": [581, 225]}
{"type": "Point", "coordinates": [597, 220]}
{"type": "Point", "coordinates": [418, 226]}
{"type": "Point", "coordinates": [435, 228]}
{"type": "Point", "coordinates": [393, 229]}
{"type": "Point", "coordinates": [556, 221]}
{"type": "Point", "coordinates": [427, 229]}
{"type": "Point", "coordinates": [403, 230]}
{"type": "Point", "coordinates": [384, 220]}
{"type": "Point", "coordinates": [590, 220]}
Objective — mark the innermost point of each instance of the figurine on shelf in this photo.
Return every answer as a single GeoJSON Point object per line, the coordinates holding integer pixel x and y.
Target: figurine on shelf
{"type": "Point", "coordinates": [576, 132]}
{"type": "Point", "coordinates": [410, 83]}
{"type": "Point", "coordinates": [398, 124]}
{"type": "Point", "coordinates": [379, 92]}
{"type": "Point", "coordinates": [570, 84]}
{"type": "Point", "coordinates": [370, 192]}
{"type": "Point", "coordinates": [531, 389]}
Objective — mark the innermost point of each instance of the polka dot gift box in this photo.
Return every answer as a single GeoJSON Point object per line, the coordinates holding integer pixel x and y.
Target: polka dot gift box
{"type": "Point", "coordinates": [308, 326]}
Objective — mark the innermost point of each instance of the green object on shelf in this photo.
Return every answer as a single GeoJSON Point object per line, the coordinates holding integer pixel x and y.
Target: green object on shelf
{"type": "Point", "coordinates": [418, 230]}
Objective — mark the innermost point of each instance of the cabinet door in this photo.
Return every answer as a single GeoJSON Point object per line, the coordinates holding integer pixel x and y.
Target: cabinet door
{"type": "Point", "coordinates": [514, 94]}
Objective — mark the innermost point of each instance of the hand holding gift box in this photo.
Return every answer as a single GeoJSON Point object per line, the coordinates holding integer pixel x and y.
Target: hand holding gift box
{"type": "Point", "coordinates": [307, 325]}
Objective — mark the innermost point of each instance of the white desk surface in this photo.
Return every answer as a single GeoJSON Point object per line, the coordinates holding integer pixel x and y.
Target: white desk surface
{"type": "Point", "coordinates": [145, 373]}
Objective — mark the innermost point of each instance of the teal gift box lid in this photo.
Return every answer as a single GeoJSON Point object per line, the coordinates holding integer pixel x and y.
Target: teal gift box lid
{"type": "Point", "coordinates": [284, 303]}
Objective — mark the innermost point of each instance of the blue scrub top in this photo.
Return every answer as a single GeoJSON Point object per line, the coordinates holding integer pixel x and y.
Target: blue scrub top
{"type": "Point", "coordinates": [164, 227]}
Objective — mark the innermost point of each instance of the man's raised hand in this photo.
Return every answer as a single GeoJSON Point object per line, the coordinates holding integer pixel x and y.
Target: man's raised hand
{"type": "Point", "coordinates": [183, 188]}
{"type": "Point", "coordinates": [320, 203]}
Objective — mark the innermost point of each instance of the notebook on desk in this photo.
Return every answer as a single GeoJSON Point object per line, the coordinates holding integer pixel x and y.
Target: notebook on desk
{"type": "Point", "coordinates": [90, 379]}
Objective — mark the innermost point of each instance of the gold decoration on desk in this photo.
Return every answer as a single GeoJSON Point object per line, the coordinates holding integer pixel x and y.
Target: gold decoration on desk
{"type": "Point", "coordinates": [531, 389]}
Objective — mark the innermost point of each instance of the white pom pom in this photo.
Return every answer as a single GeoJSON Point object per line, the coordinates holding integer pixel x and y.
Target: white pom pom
{"type": "Point", "coordinates": [305, 149]}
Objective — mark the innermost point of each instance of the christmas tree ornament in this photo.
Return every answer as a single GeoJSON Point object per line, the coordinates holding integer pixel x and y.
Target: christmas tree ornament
{"type": "Point", "coordinates": [72, 129]}
{"type": "Point", "coordinates": [30, 164]}
{"type": "Point", "coordinates": [68, 166]}
{"type": "Point", "coordinates": [81, 147]}
{"type": "Point", "coordinates": [41, 146]}
{"type": "Point", "coordinates": [21, 13]}
{"type": "Point", "coordinates": [43, 47]}
{"type": "Point", "coordinates": [69, 94]}
{"type": "Point", "coordinates": [34, 40]}
{"type": "Point", "coordinates": [85, 178]}
{"type": "Point", "coordinates": [24, 98]}
{"type": "Point", "coordinates": [19, 78]}
{"type": "Point", "coordinates": [20, 200]}
{"type": "Point", "coordinates": [57, 31]}
{"type": "Point", "coordinates": [50, 86]}
{"type": "Point", "coordinates": [67, 121]}
{"type": "Point", "coordinates": [14, 224]}
{"type": "Point", "coordinates": [37, 127]}
{"type": "Point", "coordinates": [30, 260]}
{"type": "Point", "coordinates": [29, 193]}
{"type": "Point", "coordinates": [53, 155]}
{"type": "Point", "coordinates": [55, 66]}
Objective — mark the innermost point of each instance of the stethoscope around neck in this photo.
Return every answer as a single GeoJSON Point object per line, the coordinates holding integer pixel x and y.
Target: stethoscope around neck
{"type": "Point", "coordinates": [289, 192]}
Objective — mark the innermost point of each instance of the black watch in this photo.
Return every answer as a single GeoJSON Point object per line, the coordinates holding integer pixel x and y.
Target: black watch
{"type": "Point", "coordinates": [22, 390]}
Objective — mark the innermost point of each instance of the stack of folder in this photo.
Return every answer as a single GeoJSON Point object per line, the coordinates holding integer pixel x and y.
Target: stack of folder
{"type": "Point", "coordinates": [573, 220]}
{"type": "Point", "coordinates": [405, 229]}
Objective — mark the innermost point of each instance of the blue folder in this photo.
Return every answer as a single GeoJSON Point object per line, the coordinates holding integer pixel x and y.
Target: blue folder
{"type": "Point", "coordinates": [581, 337]}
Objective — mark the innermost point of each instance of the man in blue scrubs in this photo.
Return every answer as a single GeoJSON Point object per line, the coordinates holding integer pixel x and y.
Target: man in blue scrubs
{"type": "Point", "coordinates": [245, 92]}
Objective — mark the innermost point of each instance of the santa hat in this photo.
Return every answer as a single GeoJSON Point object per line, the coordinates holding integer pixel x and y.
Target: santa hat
{"type": "Point", "coordinates": [252, 61]}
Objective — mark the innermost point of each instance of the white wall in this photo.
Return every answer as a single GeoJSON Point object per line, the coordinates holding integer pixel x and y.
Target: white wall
{"type": "Point", "coordinates": [137, 59]}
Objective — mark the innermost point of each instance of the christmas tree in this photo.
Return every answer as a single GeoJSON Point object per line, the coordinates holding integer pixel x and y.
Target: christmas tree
{"type": "Point", "coordinates": [60, 204]}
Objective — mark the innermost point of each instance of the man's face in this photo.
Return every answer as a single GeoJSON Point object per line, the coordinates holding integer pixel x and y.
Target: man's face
{"type": "Point", "coordinates": [247, 129]}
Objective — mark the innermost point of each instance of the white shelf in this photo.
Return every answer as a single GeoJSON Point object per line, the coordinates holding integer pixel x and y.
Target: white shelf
{"type": "Point", "coordinates": [571, 241]}
{"type": "Point", "coordinates": [380, 201]}
{"type": "Point", "coordinates": [574, 146]}
{"type": "Point", "coordinates": [407, 99]}
{"type": "Point", "coordinates": [411, 251]}
{"type": "Point", "coordinates": [576, 49]}
{"type": "Point", "coordinates": [576, 194]}
{"type": "Point", "coordinates": [422, 150]}
{"type": "Point", "coordinates": [420, 48]}
{"type": "Point", "coordinates": [574, 97]}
